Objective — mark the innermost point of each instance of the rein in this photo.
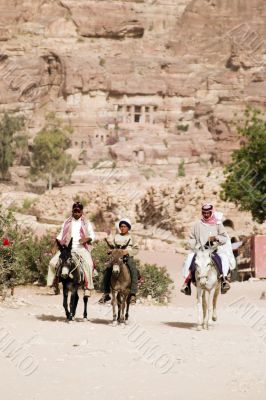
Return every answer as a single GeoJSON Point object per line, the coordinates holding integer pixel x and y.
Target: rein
{"type": "Point", "coordinates": [70, 272]}
{"type": "Point", "coordinates": [77, 262]}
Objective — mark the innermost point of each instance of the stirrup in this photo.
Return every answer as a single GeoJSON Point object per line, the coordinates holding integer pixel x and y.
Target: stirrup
{"type": "Point", "coordinates": [186, 290]}
{"type": "Point", "coordinates": [225, 286]}
{"type": "Point", "coordinates": [56, 290]}
{"type": "Point", "coordinates": [132, 299]}
{"type": "Point", "coordinates": [141, 280]}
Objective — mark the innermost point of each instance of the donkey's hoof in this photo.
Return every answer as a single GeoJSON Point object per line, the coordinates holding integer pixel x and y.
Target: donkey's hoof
{"type": "Point", "coordinates": [199, 327]}
{"type": "Point", "coordinates": [85, 319]}
{"type": "Point", "coordinates": [214, 318]}
{"type": "Point", "coordinates": [114, 323]}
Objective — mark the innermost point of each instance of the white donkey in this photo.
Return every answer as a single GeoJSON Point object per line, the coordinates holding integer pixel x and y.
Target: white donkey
{"type": "Point", "coordinates": [208, 285]}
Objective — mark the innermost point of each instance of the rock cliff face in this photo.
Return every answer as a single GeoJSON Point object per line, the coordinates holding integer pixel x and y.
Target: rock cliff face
{"type": "Point", "coordinates": [151, 88]}
{"type": "Point", "coordinates": [164, 78]}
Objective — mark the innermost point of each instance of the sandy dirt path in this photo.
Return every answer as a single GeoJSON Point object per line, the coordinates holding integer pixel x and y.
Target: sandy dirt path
{"type": "Point", "coordinates": [159, 355]}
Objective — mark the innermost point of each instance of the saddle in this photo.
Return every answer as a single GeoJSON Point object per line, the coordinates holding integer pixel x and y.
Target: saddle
{"type": "Point", "coordinates": [193, 266]}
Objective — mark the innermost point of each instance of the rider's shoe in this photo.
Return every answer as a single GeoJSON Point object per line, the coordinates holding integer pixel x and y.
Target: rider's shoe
{"type": "Point", "coordinates": [56, 290]}
{"type": "Point", "coordinates": [186, 289]}
{"type": "Point", "coordinates": [141, 280]}
{"type": "Point", "coordinates": [225, 286]}
{"type": "Point", "coordinates": [105, 297]}
{"type": "Point", "coordinates": [87, 293]}
{"type": "Point", "coordinates": [132, 299]}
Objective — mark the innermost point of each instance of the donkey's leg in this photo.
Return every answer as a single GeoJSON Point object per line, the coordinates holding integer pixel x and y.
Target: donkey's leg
{"type": "Point", "coordinates": [72, 304]}
{"type": "Point", "coordinates": [128, 304]}
{"type": "Point", "coordinates": [205, 300]}
{"type": "Point", "coordinates": [85, 299]}
{"type": "Point", "coordinates": [123, 306]}
{"type": "Point", "coordinates": [199, 306]}
{"type": "Point", "coordinates": [209, 309]}
{"type": "Point", "coordinates": [65, 298]}
{"type": "Point", "coordinates": [114, 305]}
{"type": "Point", "coordinates": [215, 297]}
{"type": "Point", "coordinates": [76, 300]}
{"type": "Point", "coordinates": [119, 300]}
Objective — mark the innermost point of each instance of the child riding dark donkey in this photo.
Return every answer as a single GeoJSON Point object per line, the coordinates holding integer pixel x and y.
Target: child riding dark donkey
{"type": "Point", "coordinates": [122, 240]}
{"type": "Point", "coordinates": [70, 273]}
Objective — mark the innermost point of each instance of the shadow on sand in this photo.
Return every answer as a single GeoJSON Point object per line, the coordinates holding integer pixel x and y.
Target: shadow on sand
{"type": "Point", "coordinates": [51, 318]}
{"type": "Point", "coordinates": [54, 318]}
{"type": "Point", "coordinates": [181, 325]}
{"type": "Point", "coordinates": [99, 321]}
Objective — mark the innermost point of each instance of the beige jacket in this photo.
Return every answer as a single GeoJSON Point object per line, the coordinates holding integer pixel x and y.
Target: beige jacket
{"type": "Point", "coordinates": [121, 240]}
{"type": "Point", "coordinates": [200, 234]}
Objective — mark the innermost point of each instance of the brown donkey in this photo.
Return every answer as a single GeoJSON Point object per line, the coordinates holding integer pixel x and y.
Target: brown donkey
{"type": "Point", "coordinates": [120, 283]}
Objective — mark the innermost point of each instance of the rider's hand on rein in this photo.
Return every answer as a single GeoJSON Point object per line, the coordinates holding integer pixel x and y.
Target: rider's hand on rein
{"type": "Point", "coordinates": [85, 240]}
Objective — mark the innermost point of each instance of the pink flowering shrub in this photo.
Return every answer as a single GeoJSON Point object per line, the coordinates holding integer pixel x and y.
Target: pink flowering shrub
{"type": "Point", "coordinates": [24, 257]}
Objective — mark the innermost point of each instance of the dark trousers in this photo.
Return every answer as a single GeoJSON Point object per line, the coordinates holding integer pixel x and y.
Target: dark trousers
{"type": "Point", "coordinates": [217, 260]}
{"type": "Point", "coordinates": [133, 273]}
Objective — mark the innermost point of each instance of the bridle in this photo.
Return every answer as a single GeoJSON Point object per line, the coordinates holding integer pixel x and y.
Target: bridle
{"type": "Point", "coordinates": [116, 263]}
{"type": "Point", "coordinates": [66, 270]}
{"type": "Point", "coordinates": [202, 277]}
{"type": "Point", "coordinates": [119, 260]}
{"type": "Point", "coordinates": [206, 272]}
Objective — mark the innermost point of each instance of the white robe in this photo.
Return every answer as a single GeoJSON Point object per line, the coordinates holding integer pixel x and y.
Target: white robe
{"type": "Point", "coordinates": [76, 248]}
{"type": "Point", "coordinates": [224, 251]}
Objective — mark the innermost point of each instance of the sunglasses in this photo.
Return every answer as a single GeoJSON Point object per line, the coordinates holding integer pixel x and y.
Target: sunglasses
{"type": "Point", "coordinates": [77, 210]}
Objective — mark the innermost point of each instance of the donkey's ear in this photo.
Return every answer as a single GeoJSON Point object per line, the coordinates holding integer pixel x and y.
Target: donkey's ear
{"type": "Point", "coordinates": [70, 244]}
{"type": "Point", "coordinates": [109, 245]}
{"type": "Point", "coordinates": [60, 247]}
{"type": "Point", "coordinates": [125, 245]}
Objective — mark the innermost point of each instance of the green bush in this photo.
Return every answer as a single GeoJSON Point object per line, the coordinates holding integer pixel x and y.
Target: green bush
{"type": "Point", "coordinates": [245, 183]}
{"type": "Point", "coordinates": [156, 281]}
{"type": "Point", "coordinates": [26, 257]}
{"type": "Point", "coordinates": [100, 258]}
{"type": "Point", "coordinates": [148, 173]}
{"type": "Point", "coordinates": [34, 259]}
{"type": "Point", "coordinates": [182, 127]}
{"type": "Point", "coordinates": [181, 169]}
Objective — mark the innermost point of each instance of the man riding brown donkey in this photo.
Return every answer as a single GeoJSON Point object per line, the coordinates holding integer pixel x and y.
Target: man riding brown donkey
{"type": "Point", "coordinates": [128, 249]}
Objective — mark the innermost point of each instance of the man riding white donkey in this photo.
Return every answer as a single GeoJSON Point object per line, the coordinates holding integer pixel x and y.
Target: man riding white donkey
{"type": "Point", "coordinates": [82, 234]}
{"type": "Point", "coordinates": [209, 230]}
{"type": "Point", "coordinates": [125, 240]}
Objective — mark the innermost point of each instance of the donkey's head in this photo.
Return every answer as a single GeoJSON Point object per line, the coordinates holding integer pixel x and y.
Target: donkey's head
{"type": "Point", "coordinates": [203, 263]}
{"type": "Point", "coordinates": [117, 256]}
{"type": "Point", "coordinates": [65, 258]}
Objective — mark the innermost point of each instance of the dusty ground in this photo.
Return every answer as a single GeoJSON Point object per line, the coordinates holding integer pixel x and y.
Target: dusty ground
{"type": "Point", "coordinates": [159, 355]}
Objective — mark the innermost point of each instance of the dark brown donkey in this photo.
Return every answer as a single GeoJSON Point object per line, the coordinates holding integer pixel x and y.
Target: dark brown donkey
{"type": "Point", "coordinates": [120, 283]}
